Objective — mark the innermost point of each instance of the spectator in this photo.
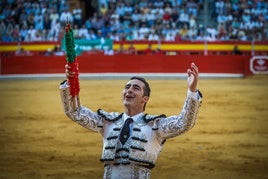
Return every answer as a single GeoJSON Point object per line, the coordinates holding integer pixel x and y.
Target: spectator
{"type": "Point", "coordinates": [109, 51]}
{"type": "Point", "coordinates": [136, 16]}
{"type": "Point", "coordinates": [5, 37]}
{"type": "Point", "coordinates": [75, 31]}
{"type": "Point", "coordinates": [23, 33]}
{"type": "Point", "coordinates": [103, 9]}
{"type": "Point", "coordinates": [236, 50]}
{"type": "Point", "coordinates": [130, 36]}
{"type": "Point", "coordinates": [121, 49]}
{"type": "Point", "coordinates": [32, 34]}
{"type": "Point", "coordinates": [54, 31]}
{"type": "Point", "coordinates": [149, 50]}
{"type": "Point", "coordinates": [131, 50]}
{"type": "Point", "coordinates": [169, 37]}
{"type": "Point", "coordinates": [183, 32]}
{"type": "Point", "coordinates": [21, 52]}
{"type": "Point", "coordinates": [200, 37]}
{"type": "Point", "coordinates": [192, 33]}
{"type": "Point", "coordinates": [83, 32]}
{"type": "Point", "coordinates": [88, 23]}
{"type": "Point", "coordinates": [184, 18]}
{"type": "Point", "coordinates": [16, 34]}
{"type": "Point", "coordinates": [49, 52]}
{"type": "Point", "coordinates": [144, 30]}
{"type": "Point", "coordinates": [153, 36]}
{"type": "Point", "coordinates": [114, 36]}
{"type": "Point", "coordinates": [54, 16]}
{"type": "Point", "coordinates": [77, 15]}
{"type": "Point", "coordinates": [138, 36]}
{"type": "Point", "coordinates": [57, 51]}
{"type": "Point", "coordinates": [64, 15]}
{"type": "Point", "coordinates": [212, 33]}
{"type": "Point", "coordinates": [91, 35]}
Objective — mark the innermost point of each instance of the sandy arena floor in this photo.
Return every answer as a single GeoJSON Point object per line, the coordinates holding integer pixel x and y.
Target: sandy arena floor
{"type": "Point", "coordinates": [230, 139]}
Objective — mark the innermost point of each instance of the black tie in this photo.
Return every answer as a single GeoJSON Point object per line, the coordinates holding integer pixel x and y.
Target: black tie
{"type": "Point", "coordinates": [125, 131]}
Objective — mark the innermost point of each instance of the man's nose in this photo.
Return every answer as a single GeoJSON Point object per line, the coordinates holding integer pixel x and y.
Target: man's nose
{"type": "Point", "coordinates": [129, 90]}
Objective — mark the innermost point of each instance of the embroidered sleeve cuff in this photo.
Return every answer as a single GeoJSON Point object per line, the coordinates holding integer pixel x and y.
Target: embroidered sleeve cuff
{"type": "Point", "coordinates": [196, 95]}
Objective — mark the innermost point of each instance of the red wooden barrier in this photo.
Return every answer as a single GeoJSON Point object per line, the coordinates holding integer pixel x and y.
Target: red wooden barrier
{"type": "Point", "coordinates": [127, 64]}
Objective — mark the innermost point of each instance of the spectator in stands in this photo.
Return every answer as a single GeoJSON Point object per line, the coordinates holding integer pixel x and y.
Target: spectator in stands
{"type": "Point", "coordinates": [91, 35]}
{"type": "Point", "coordinates": [144, 30]}
{"type": "Point", "coordinates": [191, 7]}
{"type": "Point", "coordinates": [167, 17]}
{"type": "Point", "coordinates": [212, 33]}
{"type": "Point", "coordinates": [236, 50]}
{"type": "Point", "coordinates": [23, 33]}
{"type": "Point", "coordinates": [131, 50]}
{"type": "Point", "coordinates": [130, 36]}
{"type": "Point", "coordinates": [49, 52]}
{"type": "Point", "coordinates": [77, 15]}
{"type": "Point", "coordinates": [159, 4]}
{"type": "Point", "coordinates": [142, 4]}
{"type": "Point", "coordinates": [121, 49]}
{"type": "Point", "coordinates": [16, 33]}
{"type": "Point", "coordinates": [184, 18]}
{"type": "Point", "coordinates": [54, 31]}
{"type": "Point", "coordinates": [97, 22]}
{"type": "Point", "coordinates": [66, 14]}
{"type": "Point", "coordinates": [47, 22]}
{"type": "Point", "coordinates": [183, 32]}
{"type": "Point", "coordinates": [114, 36]}
{"type": "Point", "coordinates": [169, 37]}
{"type": "Point", "coordinates": [120, 10]}
{"type": "Point", "coordinates": [54, 16]}
{"type": "Point", "coordinates": [149, 50]}
{"type": "Point", "coordinates": [192, 21]}
{"type": "Point", "coordinates": [21, 52]}
{"type": "Point", "coordinates": [153, 36]}
{"type": "Point", "coordinates": [174, 17]}
{"type": "Point", "coordinates": [64, 6]}
{"type": "Point", "coordinates": [75, 31]}
{"type": "Point", "coordinates": [192, 33]}
{"type": "Point", "coordinates": [58, 51]}
{"type": "Point", "coordinates": [88, 23]}
{"type": "Point", "coordinates": [200, 36]}
{"type": "Point", "coordinates": [219, 6]}
{"type": "Point", "coordinates": [103, 9]}
{"type": "Point", "coordinates": [242, 35]}
{"type": "Point", "coordinates": [30, 20]}
{"type": "Point", "coordinates": [136, 16]}
{"type": "Point", "coordinates": [248, 16]}
{"type": "Point", "coordinates": [138, 36]}
{"type": "Point", "coordinates": [5, 37]}
{"type": "Point", "coordinates": [31, 34]}
{"type": "Point", "coordinates": [83, 32]}
{"type": "Point", "coordinates": [221, 18]}
{"type": "Point", "coordinates": [109, 51]}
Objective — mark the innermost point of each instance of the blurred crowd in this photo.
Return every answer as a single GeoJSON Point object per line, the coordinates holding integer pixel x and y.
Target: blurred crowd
{"type": "Point", "coordinates": [153, 20]}
{"type": "Point", "coordinates": [241, 19]}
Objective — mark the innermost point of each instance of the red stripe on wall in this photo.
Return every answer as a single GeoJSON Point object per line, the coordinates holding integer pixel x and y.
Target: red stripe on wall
{"type": "Point", "coordinates": [126, 64]}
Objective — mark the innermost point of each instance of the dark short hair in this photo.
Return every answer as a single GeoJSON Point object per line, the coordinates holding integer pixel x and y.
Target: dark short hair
{"type": "Point", "coordinates": [147, 89]}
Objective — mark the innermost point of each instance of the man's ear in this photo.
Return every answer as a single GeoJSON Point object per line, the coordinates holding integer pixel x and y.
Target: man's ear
{"type": "Point", "coordinates": [146, 98]}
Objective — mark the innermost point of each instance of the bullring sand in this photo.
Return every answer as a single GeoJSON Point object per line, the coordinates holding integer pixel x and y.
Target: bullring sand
{"type": "Point", "coordinates": [229, 140]}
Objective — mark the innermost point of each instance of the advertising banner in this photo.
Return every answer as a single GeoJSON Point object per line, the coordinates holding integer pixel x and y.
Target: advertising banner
{"type": "Point", "coordinates": [89, 45]}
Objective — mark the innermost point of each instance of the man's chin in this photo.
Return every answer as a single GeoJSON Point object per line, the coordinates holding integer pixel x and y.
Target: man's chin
{"type": "Point", "coordinates": [126, 103]}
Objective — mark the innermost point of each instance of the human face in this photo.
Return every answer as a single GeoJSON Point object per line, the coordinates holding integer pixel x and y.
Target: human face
{"type": "Point", "coordinates": [133, 95]}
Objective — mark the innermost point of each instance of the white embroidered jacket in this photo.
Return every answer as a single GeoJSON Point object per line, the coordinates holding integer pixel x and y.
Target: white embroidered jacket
{"type": "Point", "coordinates": [148, 132]}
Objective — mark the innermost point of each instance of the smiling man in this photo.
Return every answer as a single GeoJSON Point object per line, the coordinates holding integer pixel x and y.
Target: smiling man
{"type": "Point", "coordinates": [132, 140]}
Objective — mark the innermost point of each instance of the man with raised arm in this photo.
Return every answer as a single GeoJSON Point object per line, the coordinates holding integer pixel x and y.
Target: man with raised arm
{"type": "Point", "coordinates": [132, 140]}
